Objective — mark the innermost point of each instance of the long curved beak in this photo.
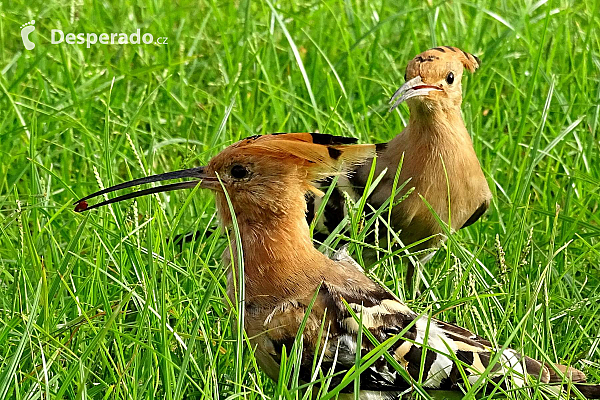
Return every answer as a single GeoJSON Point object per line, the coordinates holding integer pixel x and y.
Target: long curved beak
{"type": "Point", "coordinates": [412, 88]}
{"type": "Point", "coordinates": [198, 172]}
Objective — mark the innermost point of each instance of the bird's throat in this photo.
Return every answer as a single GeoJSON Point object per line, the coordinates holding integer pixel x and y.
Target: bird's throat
{"type": "Point", "coordinates": [272, 251]}
{"type": "Point", "coordinates": [437, 123]}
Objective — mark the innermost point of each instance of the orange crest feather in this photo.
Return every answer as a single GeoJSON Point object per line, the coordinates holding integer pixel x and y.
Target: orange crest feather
{"type": "Point", "coordinates": [319, 158]}
{"type": "Point", "coordinates": [321, 154]}
{"type": "Point", "coordinates": [469, 61]}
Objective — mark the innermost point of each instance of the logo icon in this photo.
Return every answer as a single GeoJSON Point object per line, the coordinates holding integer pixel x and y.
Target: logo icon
{"type": "Point", "coordinates": [26, 29]}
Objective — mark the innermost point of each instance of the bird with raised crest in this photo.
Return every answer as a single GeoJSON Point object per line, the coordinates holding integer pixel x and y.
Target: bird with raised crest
{"type": "Point", "coordinates": [437, 155]}
{"type": "Point", "coordinates": [289, 284]}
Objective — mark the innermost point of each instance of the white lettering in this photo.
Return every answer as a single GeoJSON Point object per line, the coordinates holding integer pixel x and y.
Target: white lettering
{"type": "Point", "coordinates": [91, 36]}
{"type": "Point", "coordinates": [53, 39]}
{"type": "Point", "coordinates": [58, 36]}
{"type": "Point", "coordinates": [134, 38]}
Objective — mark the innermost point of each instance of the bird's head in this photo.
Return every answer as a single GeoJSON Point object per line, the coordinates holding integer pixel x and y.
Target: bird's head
{"type": "Point", "coordinates": [263, 176]}
{"type": "Point", "coordinates": [433, 79]}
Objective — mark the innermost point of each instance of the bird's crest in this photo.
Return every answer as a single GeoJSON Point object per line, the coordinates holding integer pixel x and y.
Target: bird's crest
{"type": "Point", "coordinates": [320, 154]}
{"type": "Point", "coordinates": [468, 60]}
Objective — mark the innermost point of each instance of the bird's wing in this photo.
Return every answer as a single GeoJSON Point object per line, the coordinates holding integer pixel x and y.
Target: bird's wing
{"type": "Point", "coordinates": [477, 214]}
{"type": "Point", "coordinates": [329, 340]}
{"type": "Point", "coordinates": [335, 209]}
{"type": "Point", "coordinates": [343, 257]}
{"type": "Point", "coordinates": [436, 353]}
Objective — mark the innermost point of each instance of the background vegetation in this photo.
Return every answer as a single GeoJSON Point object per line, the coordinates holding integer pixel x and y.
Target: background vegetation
{"type": "Point", "coordinates": [104, 305]}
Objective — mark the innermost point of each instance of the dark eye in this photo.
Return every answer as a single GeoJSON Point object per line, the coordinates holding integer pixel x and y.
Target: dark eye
{"type": "Point", "coordinates": [405, 77]}
{"type": "Point", "coordinates": [238, 171]}
{"type": "Point", "coordinates": [450, 78]}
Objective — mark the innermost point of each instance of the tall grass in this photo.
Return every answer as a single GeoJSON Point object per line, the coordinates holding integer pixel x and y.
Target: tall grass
{"type": "Point", "coordinates": [106, 306]}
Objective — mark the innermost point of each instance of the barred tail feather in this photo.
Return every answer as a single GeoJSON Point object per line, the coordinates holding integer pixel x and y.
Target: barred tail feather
{"type": "Point", "coordinates": [570, 373]}
{"type": "Point", "coordinates": [589, 391]}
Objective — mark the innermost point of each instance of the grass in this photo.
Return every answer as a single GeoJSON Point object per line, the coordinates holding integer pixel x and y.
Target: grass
{"type": "Point", "coordinates": [103, 305]}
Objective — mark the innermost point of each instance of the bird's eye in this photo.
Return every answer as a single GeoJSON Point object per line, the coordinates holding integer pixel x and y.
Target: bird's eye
{"type": "Point", "coordinates": [405, 77]}
{"type": "Point", "coordinates": [239, 171]}
{"type": "Point", "coordinates": [450, 78]}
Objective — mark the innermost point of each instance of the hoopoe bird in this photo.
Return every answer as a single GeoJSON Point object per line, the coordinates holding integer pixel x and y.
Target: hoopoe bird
{"type": "Point", "coordinates": [288, 282]}
{"type": "Point", "coordinates": [437, 157]}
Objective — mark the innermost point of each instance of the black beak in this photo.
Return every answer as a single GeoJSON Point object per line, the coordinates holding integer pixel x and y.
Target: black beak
{"type": "Point", "coordinates": [81, 204]}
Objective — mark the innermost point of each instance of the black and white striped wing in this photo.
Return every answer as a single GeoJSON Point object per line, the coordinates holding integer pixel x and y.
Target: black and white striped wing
{"type": "Point", "coordinates": [451, 352]}
{"type": "Point", "coordinates": [335, 209]}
